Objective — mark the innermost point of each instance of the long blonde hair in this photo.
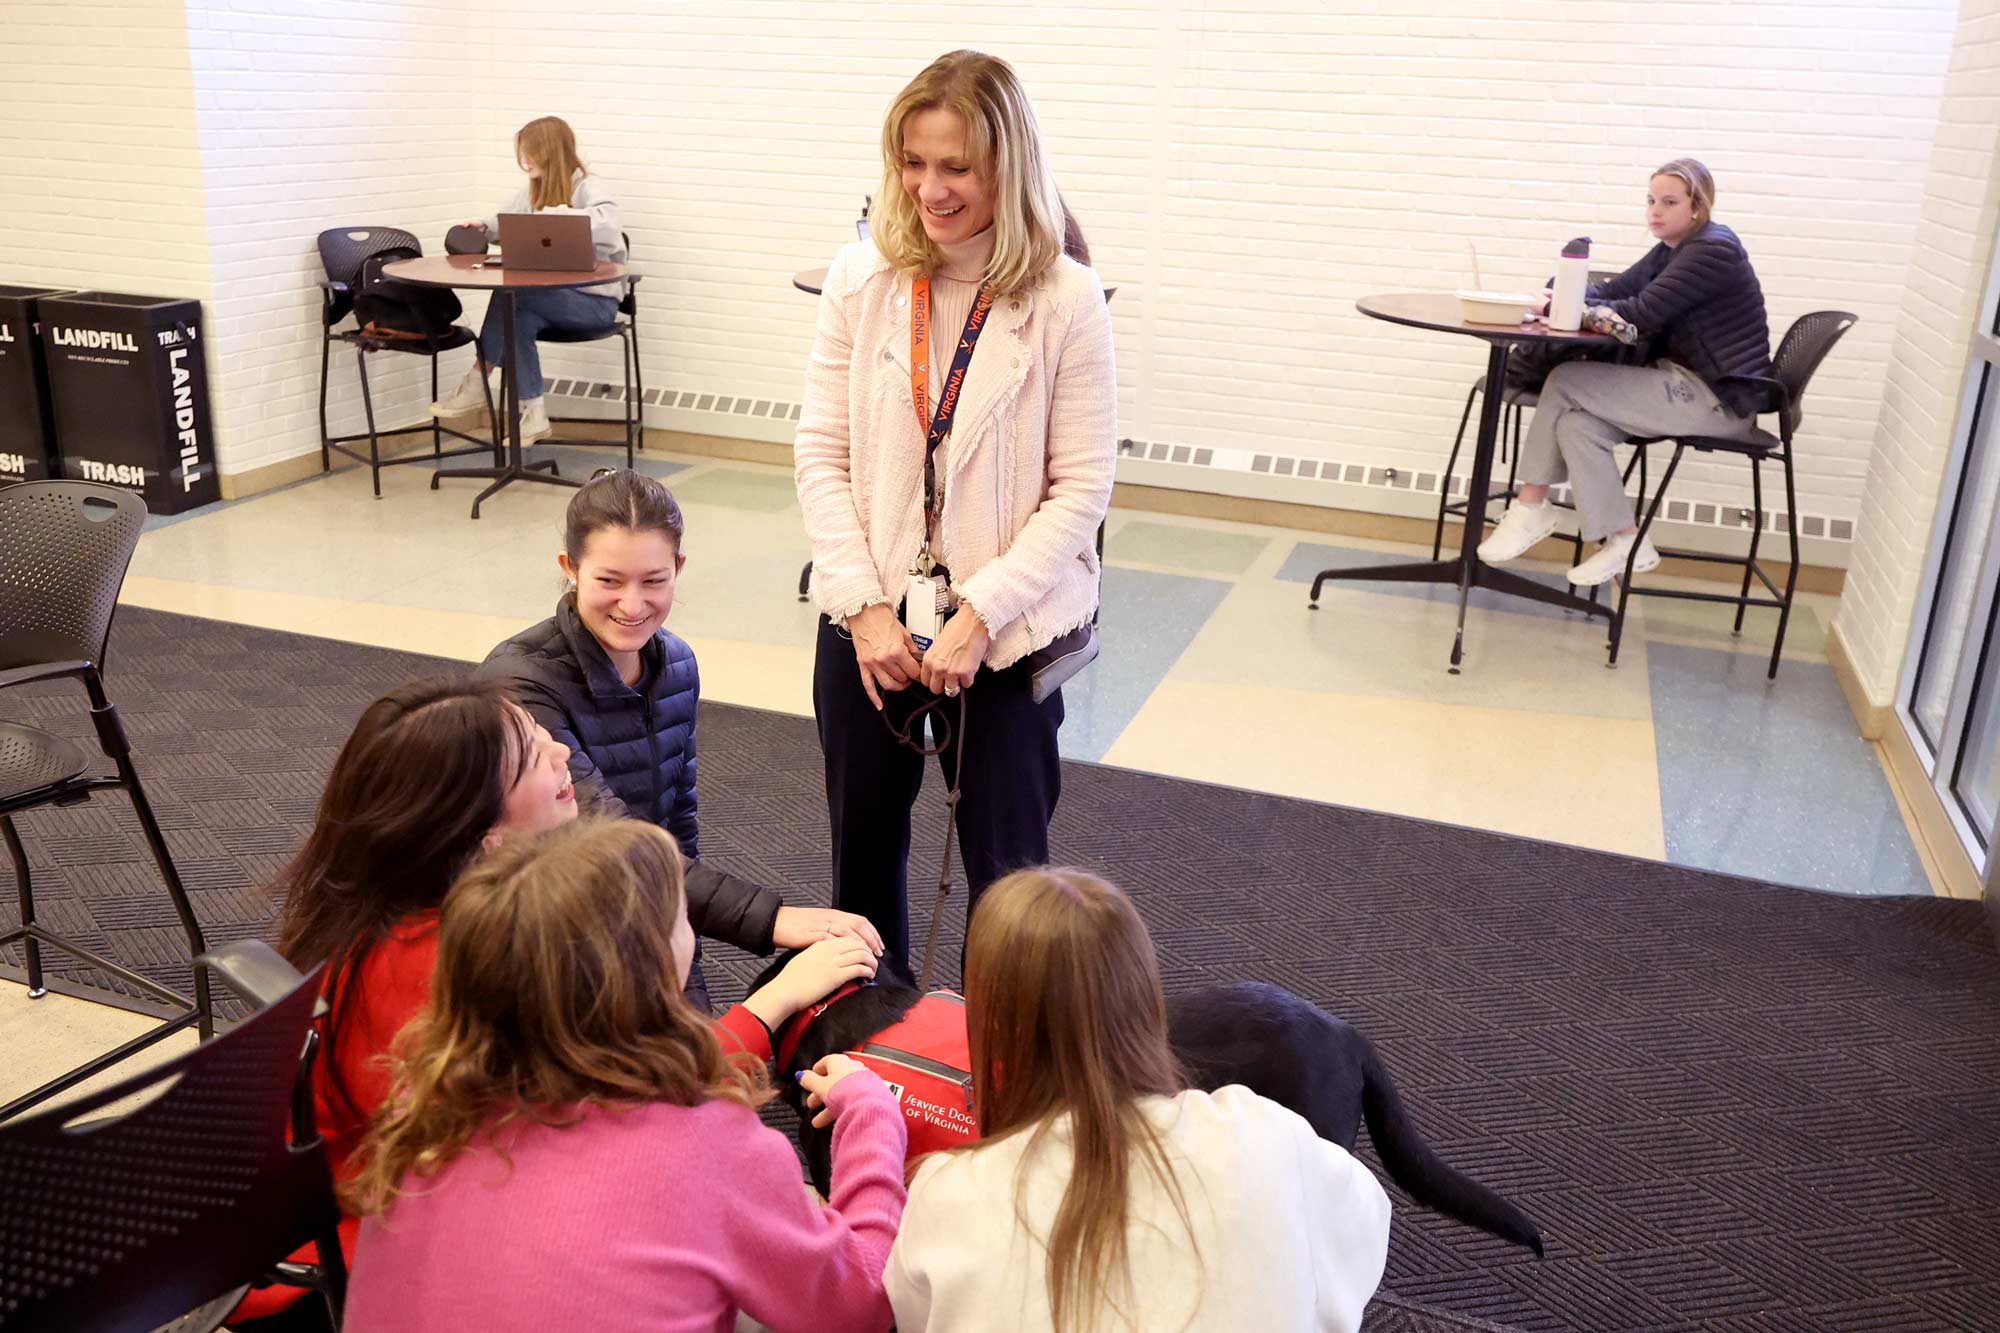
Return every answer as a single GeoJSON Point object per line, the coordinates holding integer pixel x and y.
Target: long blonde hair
{"type": "Point", "coordinates": [555, 989]}
{"type": "Point", "coordinates": [1700, 186]}
{"type": "Point", "coordinates": [1066, 1016]}
{"type": "Point", "coordinates": [1004, 141]}
{"type": "Point", "coordinates": [550, 144]}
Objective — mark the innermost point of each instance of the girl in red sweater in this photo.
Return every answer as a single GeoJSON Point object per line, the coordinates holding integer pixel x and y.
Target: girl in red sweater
{"type": "Point", "coordinates": [567, 1144]}
{"type": "Point", "coordinates": [436, 773]}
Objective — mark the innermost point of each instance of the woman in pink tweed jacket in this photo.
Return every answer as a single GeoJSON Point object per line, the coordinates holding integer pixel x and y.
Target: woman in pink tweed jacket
{"type": "Point", "coordinates": [967, 201]}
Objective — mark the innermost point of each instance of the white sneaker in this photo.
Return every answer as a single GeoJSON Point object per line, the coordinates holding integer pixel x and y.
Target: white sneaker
{"type": "Point", "coordinates": [467, 398]}
{"type": "Point", "coordinates": [1609, 562]}
{"type": "Point", "coordinates": [534, 421]}
{"type": "Point", "coordinates": [1519, 529]}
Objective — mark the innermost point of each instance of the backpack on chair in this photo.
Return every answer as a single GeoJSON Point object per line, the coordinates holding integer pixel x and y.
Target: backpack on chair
{"type": "Point", "coordinates": [401, 311]}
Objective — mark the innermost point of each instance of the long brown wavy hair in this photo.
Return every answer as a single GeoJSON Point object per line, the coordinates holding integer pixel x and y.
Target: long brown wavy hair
{"type": "Point", "coordinates": [550, 144]}
{"type": "Point", "coordinates": [1063, 995]}
{"type": "Point", "coordinates": [555, 990]}
{"type": "Point", "coordinates": [422, 778]}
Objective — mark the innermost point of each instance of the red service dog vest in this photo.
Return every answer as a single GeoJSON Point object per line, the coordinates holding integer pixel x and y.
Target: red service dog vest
{"type": "Point", "coordinates": [927, 1062]}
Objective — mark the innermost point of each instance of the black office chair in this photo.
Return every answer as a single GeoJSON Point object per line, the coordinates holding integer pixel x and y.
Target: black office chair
{"type": "Point", "coordinates": [625, 328]}
{"type": "Point", "coordinates": [64, 546]}
{"type": "Point", "coordinates": [170, 1211]}
{"type": "Point", "coordinates": [342, 250]}
{"type": "Point", "coordinates": [1804, 346]}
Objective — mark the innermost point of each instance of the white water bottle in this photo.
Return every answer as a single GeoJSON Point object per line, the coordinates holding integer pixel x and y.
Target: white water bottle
{"type": "Point", "coordinates": [1572, 280]}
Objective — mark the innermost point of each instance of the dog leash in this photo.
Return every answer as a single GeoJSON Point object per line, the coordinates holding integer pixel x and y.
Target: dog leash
{"type": "Point", "coordinates": [954, 739]}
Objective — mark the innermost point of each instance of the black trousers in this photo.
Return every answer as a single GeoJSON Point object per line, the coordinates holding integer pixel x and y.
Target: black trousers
{"type": "Point", "coordinates": [1007, 792]}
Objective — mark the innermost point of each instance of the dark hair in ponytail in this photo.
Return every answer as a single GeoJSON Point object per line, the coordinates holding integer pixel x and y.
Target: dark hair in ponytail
{"type": "Point", "coordinates": [620, 498]}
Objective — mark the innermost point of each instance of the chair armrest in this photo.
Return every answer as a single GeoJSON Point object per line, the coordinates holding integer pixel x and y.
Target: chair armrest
{"type": "Point", "coordinates": [332, 288]}
{"type": "Point", "coordinates": [43, 671]}
{"type": "Point", "coordinates": [254, 970]}
{"type": "Point", "coordinates": [1775, 396]}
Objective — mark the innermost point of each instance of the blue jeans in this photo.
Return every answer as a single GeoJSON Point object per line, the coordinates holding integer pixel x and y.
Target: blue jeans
{"type": "Point", "coordinates": [535, 310]}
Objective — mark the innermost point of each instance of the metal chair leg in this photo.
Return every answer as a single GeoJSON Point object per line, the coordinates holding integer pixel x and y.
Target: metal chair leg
{"type": "Point", "coordinates": [25, 891]}
{"type": "Point", "coordinates": [1645, 527]}
{"type": "Point", "coordinates": [1444, 484]}
{"type": "Point", "coordinates": [437, 425]}
{"type": "Point", "coordinates": [111, 737]}
{"type": "Point", "coordinates": [1792, 575]}
{"type": "Point", "coordinates": [368, 407]}
{"type": "Point", "coordinates": [625, 338]}
{"type": "Point", "coordinates": [638, 388]}
{"type": "Point", "coordinates": [1756, 534]}
{"type": "Point", "coordinates": [325, 435]}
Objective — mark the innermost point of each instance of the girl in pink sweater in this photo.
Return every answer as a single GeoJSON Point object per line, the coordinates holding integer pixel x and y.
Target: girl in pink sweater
{"type": "Point", "coordinates": [568, 1146]}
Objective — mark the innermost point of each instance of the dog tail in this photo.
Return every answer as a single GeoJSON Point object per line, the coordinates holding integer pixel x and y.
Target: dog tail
{"type": "Point", "coordinates": [1430, 1180]}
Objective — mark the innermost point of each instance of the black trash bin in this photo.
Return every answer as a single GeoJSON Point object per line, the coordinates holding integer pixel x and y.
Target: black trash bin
{"type": "Point", "coordinates": [27, 436]}
{"type": "Point", "coordinates": [130, 391]}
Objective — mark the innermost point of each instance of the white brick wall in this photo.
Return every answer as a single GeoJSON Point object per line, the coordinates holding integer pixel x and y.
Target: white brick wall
{"type": "Point", "coordinates": [1244, 171]}
{"type": "Point", "coordinates": [1926, 364]}
{"type": "Point", "coordinates": [99, 156]}
{"type": "Point", "coordinates": [313, 117]}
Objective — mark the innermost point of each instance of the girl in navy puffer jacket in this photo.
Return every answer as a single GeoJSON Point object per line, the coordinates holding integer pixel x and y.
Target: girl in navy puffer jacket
{"type": "Point", "coordinates": [609, 681]}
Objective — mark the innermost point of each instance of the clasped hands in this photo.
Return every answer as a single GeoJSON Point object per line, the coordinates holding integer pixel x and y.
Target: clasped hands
{"type": "Point", "coordinates": [890, 659]}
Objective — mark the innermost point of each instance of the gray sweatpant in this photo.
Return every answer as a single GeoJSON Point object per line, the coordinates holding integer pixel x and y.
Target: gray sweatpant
{"type": "Point", "coordinates": [1589, 408]}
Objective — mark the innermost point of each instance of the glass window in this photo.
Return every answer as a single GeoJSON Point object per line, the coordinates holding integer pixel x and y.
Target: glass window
{"type": "Point", "coordinates": [1965, 546]}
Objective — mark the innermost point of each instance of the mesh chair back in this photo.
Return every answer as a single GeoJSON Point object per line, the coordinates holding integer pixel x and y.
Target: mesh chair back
{"type": "Point", "coordinates": [342, 249]}
{"type": "Point", "coordinates": [64, 546]}
{"type": "Point", "coordinates": [1804, 346]}
{"type": "Point", "coordinates": [341, 252]}
{"type": "Point", "coordinates": [131, 1221]}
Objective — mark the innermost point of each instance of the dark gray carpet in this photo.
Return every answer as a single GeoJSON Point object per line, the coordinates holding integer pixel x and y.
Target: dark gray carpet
{"type": "Point", "coordinates": [1730, 1105]}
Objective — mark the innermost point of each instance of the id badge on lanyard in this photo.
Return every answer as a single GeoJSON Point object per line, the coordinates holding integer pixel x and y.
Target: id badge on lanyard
{"type": "Point", "coordinates": [927, 596]}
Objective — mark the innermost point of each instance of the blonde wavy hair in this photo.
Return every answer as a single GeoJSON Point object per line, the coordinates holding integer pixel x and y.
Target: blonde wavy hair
{"type": "Point", "coordinates": [1004, 141]}
{"type": "Point", "coordinates": [1063, 994]}
{"type": "Point", "coordinates": [1700, 186]}
{"type": "Point", "coordinates": [555, 987]}
{"type": "Point", "coordinates": [550, 144]}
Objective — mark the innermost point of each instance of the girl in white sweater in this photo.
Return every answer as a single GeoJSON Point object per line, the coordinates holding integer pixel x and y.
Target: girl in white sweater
{"type": "Point", "coordinates": [1102, 1195]}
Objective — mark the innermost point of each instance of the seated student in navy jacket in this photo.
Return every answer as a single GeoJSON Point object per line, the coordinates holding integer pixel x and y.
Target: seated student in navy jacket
{"type": "Point", "coordinates": [609, 681]}
{"type": "Point", "coordinates": [1694, 296]}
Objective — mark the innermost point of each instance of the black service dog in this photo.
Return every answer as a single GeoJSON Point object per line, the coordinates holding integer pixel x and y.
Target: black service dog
{"type": "Point", "coordinates": [1250, 1033]}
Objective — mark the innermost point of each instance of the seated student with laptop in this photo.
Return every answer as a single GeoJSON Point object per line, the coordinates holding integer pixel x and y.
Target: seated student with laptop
{"type": "Point", "coordinates": [557, 183]}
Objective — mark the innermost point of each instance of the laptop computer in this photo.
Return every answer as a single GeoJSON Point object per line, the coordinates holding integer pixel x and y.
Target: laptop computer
{"type": "Point", "coordinates": [547, 241]}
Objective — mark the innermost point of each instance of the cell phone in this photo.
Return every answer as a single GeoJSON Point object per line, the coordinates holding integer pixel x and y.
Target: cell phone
{"type": "Point", "coordinates": [491, 261]}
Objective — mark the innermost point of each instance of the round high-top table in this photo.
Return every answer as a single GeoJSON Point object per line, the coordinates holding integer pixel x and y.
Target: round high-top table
{"type": "Point", "coordinates": [1443, 313]}
{"type": "Point", "coordinates": [476, 273]}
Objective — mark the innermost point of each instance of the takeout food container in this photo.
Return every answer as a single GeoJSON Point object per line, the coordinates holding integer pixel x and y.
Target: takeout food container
{"type": "Point", "coordinates": [1494, 307]}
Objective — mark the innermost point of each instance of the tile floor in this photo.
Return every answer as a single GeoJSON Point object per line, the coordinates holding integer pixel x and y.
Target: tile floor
{"type": "Point", "coordinates": [1213, 667]}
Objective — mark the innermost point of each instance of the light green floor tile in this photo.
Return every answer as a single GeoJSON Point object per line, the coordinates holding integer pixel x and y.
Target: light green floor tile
{"type": "Point", "coordinates": [1144, 543]}
{"type": "Point", "coordinates": [758, 492]}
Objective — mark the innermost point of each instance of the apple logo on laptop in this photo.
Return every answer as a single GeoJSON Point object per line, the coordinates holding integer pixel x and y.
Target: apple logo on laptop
{"type": "Point", "coordinates": [547, 242]}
